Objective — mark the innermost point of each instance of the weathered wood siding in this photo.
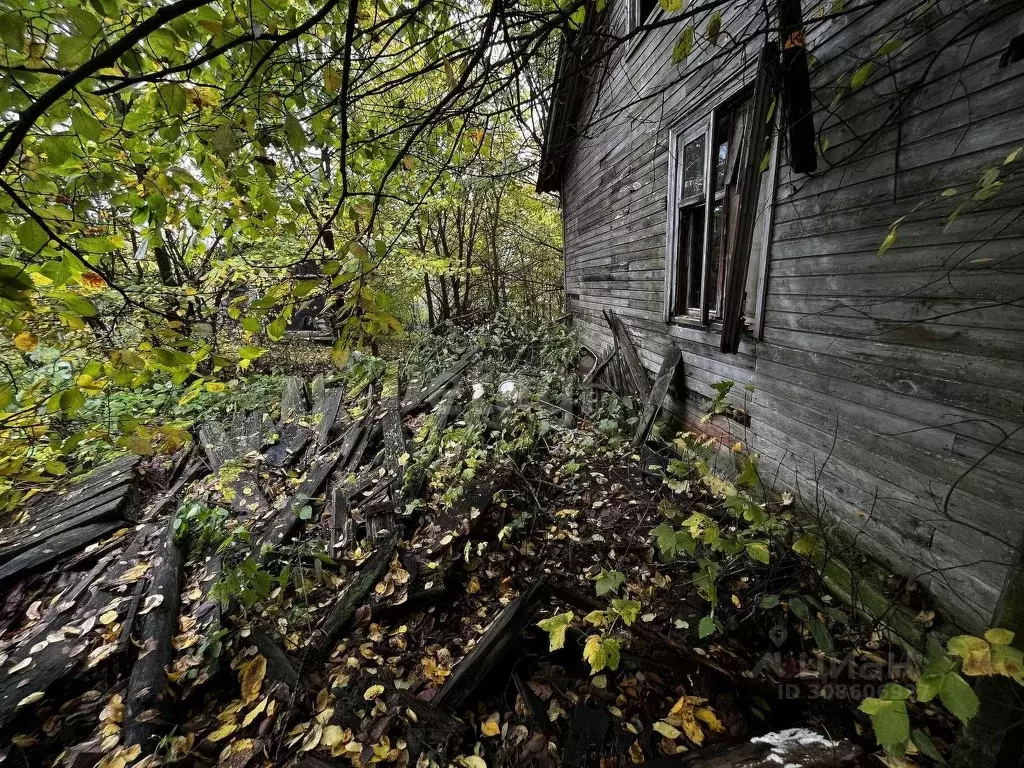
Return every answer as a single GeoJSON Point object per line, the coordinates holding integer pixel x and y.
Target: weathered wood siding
{"type": "Point", "coordinates": [879, 382]}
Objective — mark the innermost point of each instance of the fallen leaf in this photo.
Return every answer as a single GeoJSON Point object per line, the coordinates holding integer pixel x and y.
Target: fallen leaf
{"type": "Point", "coordinates": [373, 692]}
{"type": "Point", "coordinates": [32, 698]}
{"type": "Point", "coordinates": [490, 726]}
{"type": "Point", "coordinates": [252, 678]}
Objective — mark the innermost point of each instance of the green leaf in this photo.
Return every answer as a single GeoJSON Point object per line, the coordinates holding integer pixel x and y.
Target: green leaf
{"type": "Point", "coordinates": [31, 236]}
{"type": "Point", "coordinates": [997, 636]}
{"type": "Point", "coordinates": [684, 45]}
{"type": "Point", "coordinates": [890, 721]}
{"type": "Point", "coordinates": [806, 545]}
{"type": "Point", "coordinates": [958, 697]}
{"type": "Point", "coordinates": [707, 626]}
{"type": "Point", "coordinates": [87, 126]}
{"type": "Point", "coordinates": [964, 645]}
{"type": "Point", "coordinates": [758, 551]}
{"type": "Point", "coordinates": [628, 610]}
{"type": "Point", "coordinates": [672, 6]}
{"type": "Point", "coordinates": [294, 133]}
{"type": "Point", "coordinates": [926, 746]}
{"type": "Point", "coordinates": [577, 17]}
{"type": "Point", "coordinates": [555, 627]}
{"type": "Point", "coordinates": [608, 582]}
{"type": "Point", "coordinates": [12, 30]}
{"type": "Point", "coordinates": [799, 608]}
{"type": "Point", "coordinates": [251, 353]}
{"type": "Point", "coordinates": [332, 80]}
{"type": "Point", "coordinates": [223, 142]}
{"type": "Point", "coordinates": [769, 601]}
{"type": "Point", "coordinates": [895, 692]}
{"type": "Point", "coordinates": [71, 400]}
{"type": "Point", "coordinates": [276, 329]}
{"type": "Point", "coordinates": [861, 75]}
{"type": "Point", "coordinates": [601, 653]}
{"type": "Point", "coordinates": [821, 636]}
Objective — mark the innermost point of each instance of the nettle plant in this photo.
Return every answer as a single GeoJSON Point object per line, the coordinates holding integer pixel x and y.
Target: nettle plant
{"type": "Point", "coordinates": [942, 681]}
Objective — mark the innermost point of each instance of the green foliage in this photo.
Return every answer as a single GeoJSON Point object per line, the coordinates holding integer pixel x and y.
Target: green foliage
{"type": "Point", "coordinates": [556, 626]}
{"type": "Point", "coordinates": [608, 582]}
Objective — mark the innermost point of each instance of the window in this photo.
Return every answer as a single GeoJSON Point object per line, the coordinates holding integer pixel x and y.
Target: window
{"type": "Point", "coordinates": [716, 196]}
{"type": "Point", "coordinates": [640, 12]}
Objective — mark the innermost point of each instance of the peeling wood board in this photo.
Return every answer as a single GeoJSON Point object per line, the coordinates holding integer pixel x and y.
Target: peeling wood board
{"type": "Point", "coordinates": [438, 384]}
{"type": "Point", "coordinates": [394, 451]}
{"type": "Point", "coordinates": [636, 369]}
{"type": "Point", "coordinates": [355, 593]}
{"type": "Point", "coordinates": [499, 638]}
{"type": "Point", "coordinates": [669, 363]}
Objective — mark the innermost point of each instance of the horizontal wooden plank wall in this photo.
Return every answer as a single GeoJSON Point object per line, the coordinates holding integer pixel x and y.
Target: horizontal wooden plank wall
{"type": "Point", "coordinates": [880, 381]}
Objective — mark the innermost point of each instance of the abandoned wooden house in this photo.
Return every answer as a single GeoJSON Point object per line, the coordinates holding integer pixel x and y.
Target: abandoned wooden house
{"type": "Point", "coordinates": [849, 257]}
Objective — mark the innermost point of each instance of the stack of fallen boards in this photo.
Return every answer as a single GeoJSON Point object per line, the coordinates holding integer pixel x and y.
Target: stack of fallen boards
{"type": "Point", "coordinates": [61, 523]}
{"type": "Point", "coordinates": [110, 594]}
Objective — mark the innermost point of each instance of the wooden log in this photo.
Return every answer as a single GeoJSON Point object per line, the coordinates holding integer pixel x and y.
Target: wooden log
{"type": "Point", "coordinates": [355, 593]}
{"type": "Point", "coordinates": [41, 670]}
{"type": "Point", "coordinates": [147, 699]}
{"type": "Point", "coordinates": [629, 355]}
{"type": "Point", "coordinates": [669, 363]}
{"type": "Point", "coordinates": [500, 638]}
{"type": "Point", "coordinates": [279, 667]}
{"type": "Point", "coordinates": [418, 474]}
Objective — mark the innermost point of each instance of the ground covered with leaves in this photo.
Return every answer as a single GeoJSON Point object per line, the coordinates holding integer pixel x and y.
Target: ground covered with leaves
{"type": "Point", "coordinates": [463, 560]}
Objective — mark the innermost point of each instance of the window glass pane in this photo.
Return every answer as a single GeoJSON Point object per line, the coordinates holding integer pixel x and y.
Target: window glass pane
{"type": "Point", "coordinates": [721, 162]}
{"type": "Point", "coordinates": [693, 168]}
{"type": "Point", "coordinates": [646, 7]}
{"type": "Point", "coordinates": [693, 253]}
{"type": "Point", "coordinates": [715, 257]}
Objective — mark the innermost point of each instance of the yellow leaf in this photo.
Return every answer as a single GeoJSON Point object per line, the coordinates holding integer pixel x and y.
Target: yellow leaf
{"type": "Point", "coordinates": [707, 716]}
{"type": "Point", "coordinates": [490, 726]}
{"type": "Point", "coordinates": [373, 692]}
{"type": "Point", "coordinates": [223, 732]}
{"type": "Point", "coordinates": [26, 341]}
{"type": "Point", "coordinates": [32, 698]}
{"type": "Point", "coordinates": [666, 730]}
{"type": "Point", "coordinates": [472, 761]}
{"type": "Point", "coordinates": [108, 618]}
{"type": "Point", "coordinates": [216, 386]}
{"type": "Point", "coordinates": [252, 678]}
{"type": "Point", "coordinates": [332, 735]}
{"type": "Point", "coordinates": [682, 716]}
{"type": "Point", "coordinates": [255, 711]}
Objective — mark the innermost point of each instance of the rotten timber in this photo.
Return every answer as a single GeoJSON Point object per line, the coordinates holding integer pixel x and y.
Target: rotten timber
{"type": "Point", "coordinates": [637, 373]}
{"type": "Point", "coordinates": [669, 363]}
{"type": "Point", "coordinates": [500, 637]}
{"type": "Point", "coordinates": [355, 593]}
{"type": "Point", "coordinates": [147, 700]}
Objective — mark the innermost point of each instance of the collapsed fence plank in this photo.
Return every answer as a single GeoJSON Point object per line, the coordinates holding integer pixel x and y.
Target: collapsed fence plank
{"type": "Point", "coordinates": [499, 638]}
{"type": "Point", "coordinates": [438, 384]}
{"type": "Point", "coordinates": [669, 363]}
{"type": "Point", "coordinates": [292, 432]}
{"type": "Point", "coordinates": [284, 522]}
{"type": "Point", "coordinates": [147, 699]}
{"type": "Point", "coordinates": [394, 451]}
{"type": "Point", "coordinates": [355, 593]}
{"type": "Point", "coordinates": [629, 355]}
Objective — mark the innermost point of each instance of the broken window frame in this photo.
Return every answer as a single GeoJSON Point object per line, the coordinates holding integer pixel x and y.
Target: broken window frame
{"type": "Point", "coordinates": [720, 302]}
{"type": "Point", "coordinates": [637, 17]}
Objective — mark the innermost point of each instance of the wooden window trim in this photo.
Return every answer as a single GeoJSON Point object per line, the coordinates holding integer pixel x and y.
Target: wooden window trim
{"type": "Point", "coordinates": [708, 319]}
